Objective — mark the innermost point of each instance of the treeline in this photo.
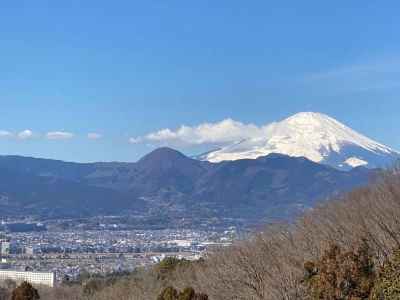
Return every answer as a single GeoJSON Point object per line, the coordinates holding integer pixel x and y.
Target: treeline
{"type": "Point", "coordinates": [348, 248]}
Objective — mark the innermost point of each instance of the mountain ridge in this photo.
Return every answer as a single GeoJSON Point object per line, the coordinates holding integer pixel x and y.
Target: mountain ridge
{"type": "Point", "coordinates": [167, 182]}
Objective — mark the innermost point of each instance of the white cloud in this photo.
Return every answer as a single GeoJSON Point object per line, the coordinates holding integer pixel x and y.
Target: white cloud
{"type": "Point", "coordinates": [133, 140]}
{"type": "Point", "coordinates": [94, 136]}
{"type": "Point", "coordinates": [59, 135]}
{"type": "Point", "coordinates": [25, 134]}
{"type": "Point", "coordinates": [5, 133]}
{"type": "Point", "coordinates": [219, 134]}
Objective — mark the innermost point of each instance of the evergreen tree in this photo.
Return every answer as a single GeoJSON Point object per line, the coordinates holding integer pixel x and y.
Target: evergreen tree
{"type": "Point", "coordinates": [341, 275]}
{"type": "Point", "coordinates": [188, 293]}
{"type": "Point", "coordinates": [388, 283]}
{"type": "Point", "coordinates": [25, 292]}
{"type": "Point", "coordinates": [169, 293]}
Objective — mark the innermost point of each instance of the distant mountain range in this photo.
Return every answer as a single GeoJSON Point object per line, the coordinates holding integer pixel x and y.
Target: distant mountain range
{"type": "Point", "coordinates": [315, 136]}
{"type": "Point", "coordinates": [166, 182]}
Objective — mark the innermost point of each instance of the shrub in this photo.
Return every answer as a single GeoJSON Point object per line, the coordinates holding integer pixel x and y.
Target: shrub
{"type": "Point", "coordinates": [170, 267]}
{"type": "Point", "coordinates": [188, 293]}
{"type": "Point", "coordinates": [25, 292]}
{"type": "Point", "coordinates": [341, 275]}
{"type": "Point", "coordinates": [388, 283]}
{"type": "Point", "coordinates": [169, 293]}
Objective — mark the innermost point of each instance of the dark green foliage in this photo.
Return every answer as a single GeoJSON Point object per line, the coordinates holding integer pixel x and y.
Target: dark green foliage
{"type": "Point", "coordinates": [167, 271]}
{"type": "Point", "coordinates": [341, 275]}
{"type": "Point", "coordinates": [188, 293]}
{"type": "Point", "coordinates": [388, 283]}
{"type": "Point", "coordinates": [168, 265]}
{"type": "Point", "coordinates": [25, 292]}
{"type": "Point", "coordinates": [168, 293]}
{"type": "Point", "coordinates": [201, 297]}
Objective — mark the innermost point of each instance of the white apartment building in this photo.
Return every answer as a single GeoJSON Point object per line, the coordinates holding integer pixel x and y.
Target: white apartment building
{"type": "Point", "coordinates": [35, 278]}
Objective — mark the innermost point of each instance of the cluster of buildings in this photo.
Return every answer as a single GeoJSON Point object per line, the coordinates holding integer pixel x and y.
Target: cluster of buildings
{"type": "Point", "coordinates": [7, 273]}
{"type": "Point", "coordinates": [48, 257]}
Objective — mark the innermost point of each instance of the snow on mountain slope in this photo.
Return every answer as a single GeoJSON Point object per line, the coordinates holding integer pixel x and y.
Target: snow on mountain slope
{"type": "Point", "coordinates": [315, 136]}
{"type": "Point", "coordinates": [355, 162]}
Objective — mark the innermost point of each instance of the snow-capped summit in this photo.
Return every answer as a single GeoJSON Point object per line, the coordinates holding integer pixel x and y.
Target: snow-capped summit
{"type": "Point", "coordinates": [315, 136]}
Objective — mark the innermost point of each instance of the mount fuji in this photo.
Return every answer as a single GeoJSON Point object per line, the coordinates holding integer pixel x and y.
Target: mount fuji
{"type": "Point", "coordinates": [315, 136]}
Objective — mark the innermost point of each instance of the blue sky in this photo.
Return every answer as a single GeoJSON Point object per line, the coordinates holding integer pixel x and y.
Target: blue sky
{"type": "Point", "coordinates": [124, 69]}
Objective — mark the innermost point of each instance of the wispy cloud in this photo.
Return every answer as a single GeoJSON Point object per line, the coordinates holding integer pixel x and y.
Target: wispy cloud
{"type": "Point", "coordinates": [5, 133]}
{"type": "Point", "coordinates": [59, 135]}
{"type": "Point", "coordinates": [25, 134]}
{"type": "Point", "coordinates": [220, 133]}
{"type": "Point", "coordinates": [380, 74]}
{"type": "Point", "coordinates": [94, 136]}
